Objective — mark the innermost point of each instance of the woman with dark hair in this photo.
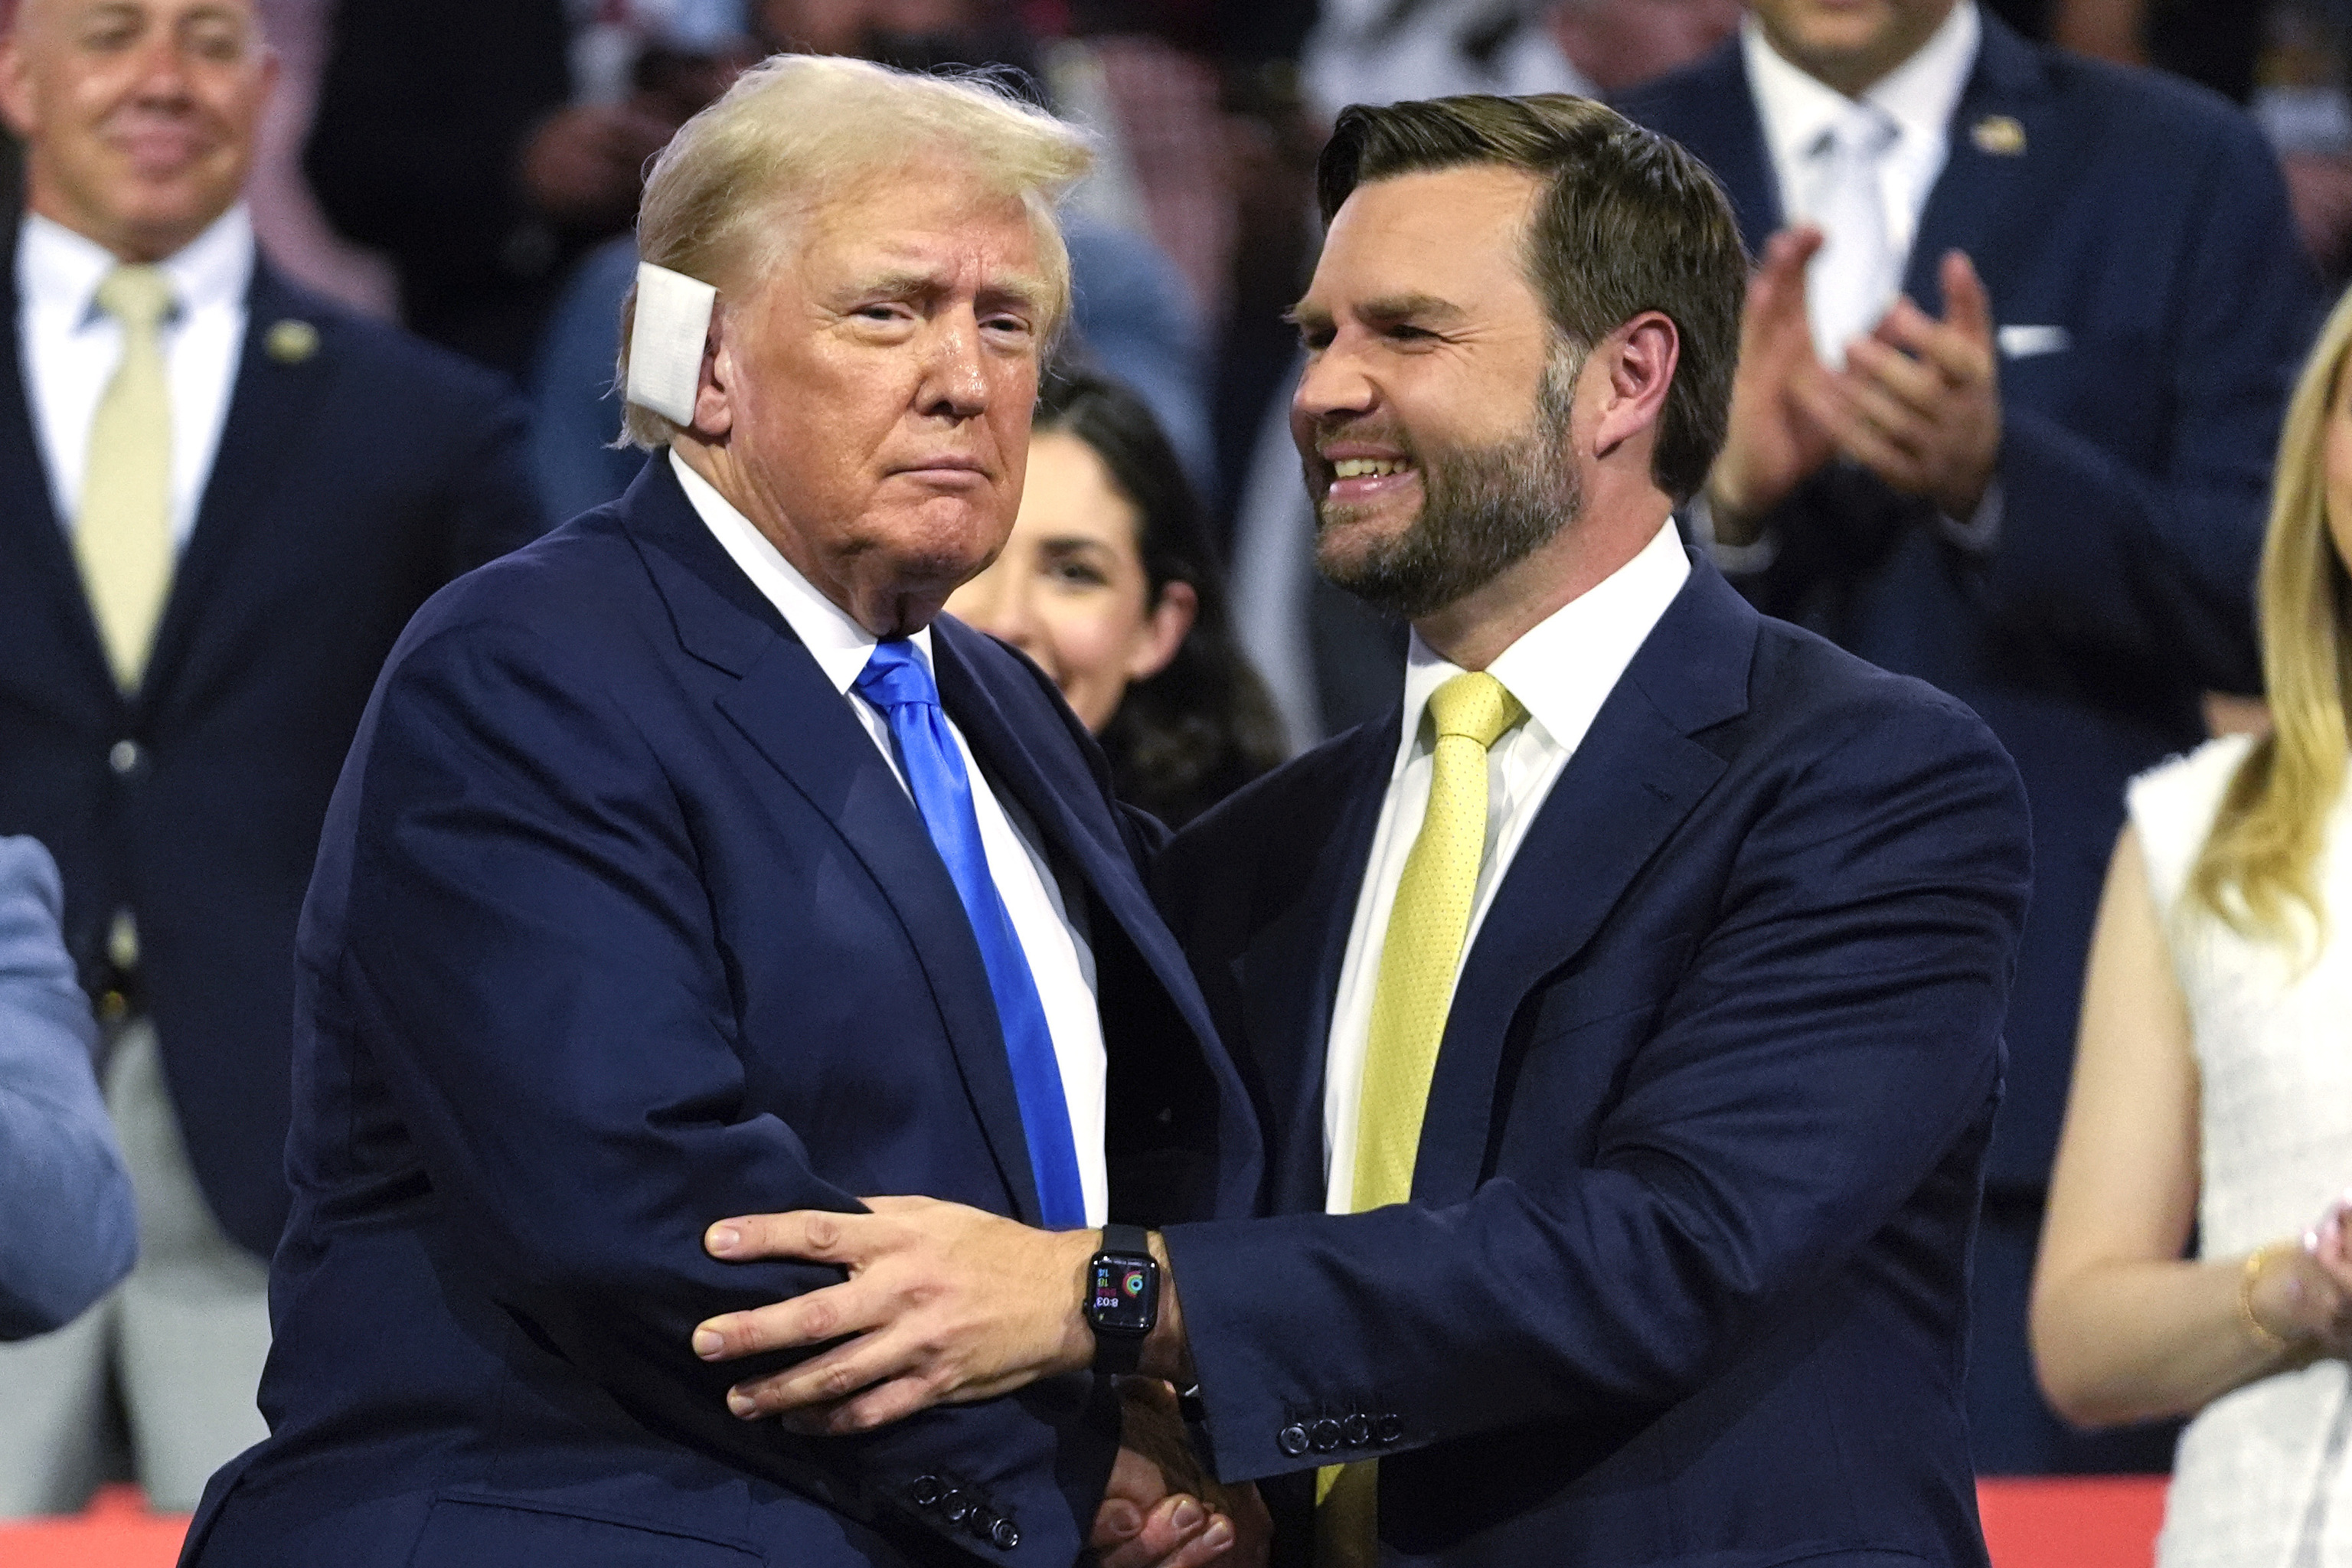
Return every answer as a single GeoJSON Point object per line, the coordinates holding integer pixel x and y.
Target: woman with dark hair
{"type": "Point", "coordinates": [1109, 583]}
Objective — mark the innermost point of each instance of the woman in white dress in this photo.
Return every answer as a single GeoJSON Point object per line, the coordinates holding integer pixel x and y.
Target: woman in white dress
{"type": "Point", "coordinates": [2213, 1079]}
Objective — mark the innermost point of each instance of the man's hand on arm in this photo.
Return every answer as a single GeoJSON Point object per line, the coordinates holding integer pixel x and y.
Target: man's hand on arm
{"type": "Point", "coordinates": [1774, 442]}
{"type": "Point", "coordinates": [948, 1304]}
{"type": "Point", "coordinates": [1919, 401]}
{"type": "Point", "coordinates": [943, 1303]}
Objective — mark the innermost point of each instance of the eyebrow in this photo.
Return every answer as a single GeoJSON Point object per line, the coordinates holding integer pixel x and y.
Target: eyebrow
{"type": "Point", "coordinates": [1382, 309]}
{"type": "Point", "coordinates": [1022, 288]}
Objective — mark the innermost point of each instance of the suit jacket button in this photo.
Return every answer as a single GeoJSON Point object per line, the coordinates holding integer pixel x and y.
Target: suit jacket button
{"type": "Point", "coordinates": [1003, 1536]}
{"type": "Point", "coordinates": [926, 1490]}
{"type": "Point", "coordinates": [1392, 1427]}
{"type": "Point", "coordinates": [983, 1523]}
{"type": "Point", "coordinates": [1327, 1435]}
{"type": "Point", "coordinates": [1291, 1439]}
{"type": "Point", "coordinates": [957, 1505]}
{"type": "Point", "coordinates": [1358, 1431]}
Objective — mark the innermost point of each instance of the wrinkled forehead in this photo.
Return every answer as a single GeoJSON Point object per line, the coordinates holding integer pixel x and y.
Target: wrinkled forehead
{"type": "Point", "coordinates": [34, 18]}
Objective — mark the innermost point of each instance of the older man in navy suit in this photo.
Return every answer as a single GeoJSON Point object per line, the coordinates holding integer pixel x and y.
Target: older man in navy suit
{"type": "Point", "coordinates": [1623, 1012]}
{"type": "Point", "coordinates": [221, 497]}
{"type": "Point", "coordinates": [685, 865]}
{"type": "Point", "coordinates": [2013, 369]}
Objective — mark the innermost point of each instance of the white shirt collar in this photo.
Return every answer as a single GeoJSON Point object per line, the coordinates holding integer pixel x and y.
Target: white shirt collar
{"type": "Point", "coordinates": [840, 645]}
{"type": "Point", "coordinates": [1920, 94]}
{"type": "Point", "coordinates": [58, 269]}
{"type": "Point", "coordinates": [1564, 667]}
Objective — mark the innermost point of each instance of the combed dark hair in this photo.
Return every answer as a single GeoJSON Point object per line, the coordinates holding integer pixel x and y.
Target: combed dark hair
{"type": "Point", "coordinates": [1628, 222]}
{"type": "Point", "coordinates": [1203, 726]}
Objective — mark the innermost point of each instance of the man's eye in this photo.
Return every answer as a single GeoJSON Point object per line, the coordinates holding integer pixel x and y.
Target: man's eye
{"type": "Point", "coordinates": [1403, 333]}
{"type": "Point", "coordinates": [1314, 338]}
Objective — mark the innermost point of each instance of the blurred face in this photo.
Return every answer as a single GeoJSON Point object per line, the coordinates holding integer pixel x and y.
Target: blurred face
{"type": "Point", "coordinates": [139, 116]}
{"type": "Point", "coordinates": [1070, 590]}
{"type": "Point", "coordinates": [1849, 44]}
{"type": "Point", "coordinates": [1432, 416]}
{"type": "Point", "coordinates": [1623, 43]}
{"type": "Point", "coordinates": [876, 390]}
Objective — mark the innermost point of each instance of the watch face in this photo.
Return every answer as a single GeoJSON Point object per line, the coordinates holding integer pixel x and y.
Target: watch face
{"type": "Point", "coordinates": [1126, 1294]}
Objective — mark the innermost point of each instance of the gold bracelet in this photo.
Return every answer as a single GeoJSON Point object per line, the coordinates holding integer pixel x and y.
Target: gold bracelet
{"type": "Point", "coordinates": [2266, 1338]}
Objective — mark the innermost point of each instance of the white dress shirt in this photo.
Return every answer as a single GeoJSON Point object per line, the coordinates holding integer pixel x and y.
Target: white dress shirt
{"type": "Point", "coordinates": [1919, 96]}
{"type": "Point", "coordinates": [1061, 958]}
{"type": "Point", "coordinates": [72, 347]}
{"type": "Point", "coordinates": [1797, 110]}
{"type": "Point", "coordinates": [1562, 671]}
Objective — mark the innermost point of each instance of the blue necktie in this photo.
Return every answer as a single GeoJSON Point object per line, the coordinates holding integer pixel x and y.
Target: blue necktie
{"type": "Point", "coordinates": [895, 681]}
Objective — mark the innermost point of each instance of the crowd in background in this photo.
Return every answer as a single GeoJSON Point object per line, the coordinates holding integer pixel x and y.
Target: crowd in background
{"type": "Point", "coordinates": [471, 171]}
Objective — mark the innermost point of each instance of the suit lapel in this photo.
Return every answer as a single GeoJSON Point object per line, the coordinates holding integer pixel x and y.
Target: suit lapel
{"type": "Point", "coordinates": [1631, 780]}
{"type": "Point", "coordinates": [270, 410]}
{"type": "Point", "coordinates": [1290, 976]}
{"type": "Point", "coordinates": [2002, 138]}
{"type": "Point", "coordinates": [787, 708]}
{"type": "Point", "coordinates": [1047, 788]}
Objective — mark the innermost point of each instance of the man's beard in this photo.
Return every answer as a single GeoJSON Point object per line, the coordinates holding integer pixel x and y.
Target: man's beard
{"type": "Point", "coordinates": [1484, 510]}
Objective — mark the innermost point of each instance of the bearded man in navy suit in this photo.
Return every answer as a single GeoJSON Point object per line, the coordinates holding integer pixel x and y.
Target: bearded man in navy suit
{"type": "Point", "coordinates": [2012, 376]}
{"type": "Point", "coordinates": [685, 864]}
{"type": "Point", "coordinates": [1623, 1013]}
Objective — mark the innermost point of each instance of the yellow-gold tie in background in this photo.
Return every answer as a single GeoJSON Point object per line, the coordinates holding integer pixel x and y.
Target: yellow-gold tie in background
{"type": "Point", "coordinates": [1418, 960]}
{"type": "Point", "coordinates": [123, 536]}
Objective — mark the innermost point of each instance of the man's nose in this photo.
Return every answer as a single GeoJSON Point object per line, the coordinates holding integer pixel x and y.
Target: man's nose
{"type": "Point", "coordinates": [162, 69]}
{"type": "Point", "coordinates": [1333, 383]}
{"type": "Point", "coordinates": [954, 381]}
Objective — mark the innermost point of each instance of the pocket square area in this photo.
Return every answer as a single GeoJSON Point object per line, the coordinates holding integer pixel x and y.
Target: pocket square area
{"type": "Point", "coordinates": [2021, 342]}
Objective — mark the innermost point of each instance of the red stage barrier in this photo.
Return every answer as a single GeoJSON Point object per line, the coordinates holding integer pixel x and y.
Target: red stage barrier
{"type": "Point", "coordinates": [2031, 1522]}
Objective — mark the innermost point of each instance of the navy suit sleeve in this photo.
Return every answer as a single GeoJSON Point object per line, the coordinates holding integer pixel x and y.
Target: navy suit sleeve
{"type": "Point", "coordinates": [68, 1231]}
{"type": "Point", "coordinates": [1835, 1035]}
{"type": "Point", "coordinates": [531, 954]}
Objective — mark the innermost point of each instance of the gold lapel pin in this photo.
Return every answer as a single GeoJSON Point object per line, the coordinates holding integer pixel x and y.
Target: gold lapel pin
{"type": "Point", "coordinates": [290, 342]}
{"type": "Point", "coordinates": [1999, 135]}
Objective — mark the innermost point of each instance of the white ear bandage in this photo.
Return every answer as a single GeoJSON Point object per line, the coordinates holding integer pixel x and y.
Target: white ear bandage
{"type": "Point", "coordinates": [673, 322]}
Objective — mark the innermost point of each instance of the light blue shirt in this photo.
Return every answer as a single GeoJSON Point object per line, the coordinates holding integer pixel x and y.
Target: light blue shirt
{"type": "Point", "coordinates": [67, 1228]}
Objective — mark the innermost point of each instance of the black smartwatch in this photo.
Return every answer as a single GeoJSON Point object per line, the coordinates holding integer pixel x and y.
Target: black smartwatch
{"type": "Point", "coordinates": [1122, 1296]}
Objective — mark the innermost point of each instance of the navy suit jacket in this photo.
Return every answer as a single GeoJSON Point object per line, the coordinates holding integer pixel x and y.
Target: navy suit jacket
{"type": "Point", "coordinates": [1683, 1275]}
{"type": "Point", "coordinates": [623, 925]}
{"type": "Point", "coordinates": [2142, 222]}
{"type": "Point", "coordinates": [351, 481]}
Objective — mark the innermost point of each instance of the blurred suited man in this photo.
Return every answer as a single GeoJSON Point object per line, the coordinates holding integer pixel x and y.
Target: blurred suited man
{"type": "Point", "coordinates": [220, 500]}
{"type": "Point", "coordinates": [2013, 372]}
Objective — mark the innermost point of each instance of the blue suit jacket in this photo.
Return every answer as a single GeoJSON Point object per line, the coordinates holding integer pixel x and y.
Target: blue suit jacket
{"type": "Point", "coordinates": [2146, 222]}
{"type": "Point", "coordinates": [349, 484]}
{"type": "Point", "coordinates": [1683, 1275]}
{"type": "Point", "coordinates": [623, 925]}
{"type": "Point", "coordinates": [67, 1230]}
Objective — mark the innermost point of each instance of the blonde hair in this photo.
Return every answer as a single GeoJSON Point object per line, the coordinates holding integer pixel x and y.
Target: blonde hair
{"type": "Point", "coordinates": [2257, 871]}
{"type": "Point", "coordinates": [796, 132]}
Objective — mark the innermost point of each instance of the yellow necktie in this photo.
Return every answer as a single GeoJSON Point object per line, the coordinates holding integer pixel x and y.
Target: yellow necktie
{"type": "Point", "coordinates": [1418, 960]}
{"type": "Point", "coordinates": [122, 537]}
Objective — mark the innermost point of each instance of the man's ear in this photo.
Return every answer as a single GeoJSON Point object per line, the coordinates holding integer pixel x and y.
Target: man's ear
{"type": "Point", "coordinates": [714, 401]}
{"type": "Point", "coordinates": [15, 85]}
{"type": "Point", "coordinates": [1637, 363]}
